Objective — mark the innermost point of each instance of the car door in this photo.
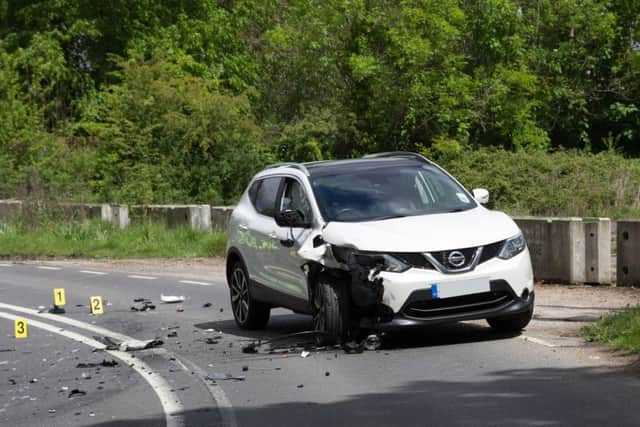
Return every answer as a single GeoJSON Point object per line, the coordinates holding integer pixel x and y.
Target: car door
{"type": "Point", "coordinates": [287, 266]}
{"type": "Point", "coordinates": [260, 232]}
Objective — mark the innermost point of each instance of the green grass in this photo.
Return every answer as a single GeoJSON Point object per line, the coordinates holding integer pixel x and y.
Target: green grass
{"type": "Point", "coordinates": [102, 240]}
{"type": "Point", "coordinates": [620, 331]}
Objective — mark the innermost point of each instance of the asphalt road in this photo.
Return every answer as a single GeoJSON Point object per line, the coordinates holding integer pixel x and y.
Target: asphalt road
{"type": "Point", "coordinates": [455, 375]}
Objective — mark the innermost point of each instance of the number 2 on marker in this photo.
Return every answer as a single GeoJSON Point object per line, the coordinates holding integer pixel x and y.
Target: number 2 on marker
{"type": "Point", "coordinates": [58, 297]}
{"type": "Point", "coordinates": [21, 328]}
{"type": "Point", "coordinates": [96, 305]}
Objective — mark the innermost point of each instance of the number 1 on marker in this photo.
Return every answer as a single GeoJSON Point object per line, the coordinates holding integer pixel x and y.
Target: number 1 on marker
{"type": "Point", "coordinates": [96, 305]}
{"type": "Point", "coordinates": [58, 297]}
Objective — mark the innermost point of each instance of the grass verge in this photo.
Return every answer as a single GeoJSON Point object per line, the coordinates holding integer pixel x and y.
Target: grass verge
{"type": "Point", "coordinates": [102, 240]}
{"type": "Point", "coordinates": [620, 331]}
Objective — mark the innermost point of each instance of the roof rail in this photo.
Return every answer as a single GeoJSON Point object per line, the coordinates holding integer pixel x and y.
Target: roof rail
{"type": "Point", "coordinates": [294, 165]}
{"type": "Point", "coordinates": [399, 154]}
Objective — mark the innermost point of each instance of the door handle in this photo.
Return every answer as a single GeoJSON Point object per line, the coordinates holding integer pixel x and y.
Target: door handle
{"type": "Point", "coordinates": [242, 227]}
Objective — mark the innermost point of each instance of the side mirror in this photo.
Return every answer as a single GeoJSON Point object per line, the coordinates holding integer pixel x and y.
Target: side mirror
{"type": "Point", "coordinates": [481, 195]}
{"type": "Point", "coordinates": [291, 218]}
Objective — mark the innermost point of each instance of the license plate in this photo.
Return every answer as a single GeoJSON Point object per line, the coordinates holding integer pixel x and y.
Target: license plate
{"type": "Point", "coordinates": [456, 288]}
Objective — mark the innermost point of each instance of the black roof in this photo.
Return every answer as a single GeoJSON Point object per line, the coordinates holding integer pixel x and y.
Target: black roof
{"type": "Point", "coordinates": [337, 166]}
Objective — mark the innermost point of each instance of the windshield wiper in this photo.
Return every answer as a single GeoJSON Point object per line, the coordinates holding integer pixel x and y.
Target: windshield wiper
{"type": "Point", "coordinates": [382, 218]}
{"type": "Point", "coordinates": [457, 210]}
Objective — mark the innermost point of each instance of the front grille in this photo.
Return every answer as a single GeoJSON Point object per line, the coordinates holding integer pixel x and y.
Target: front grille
{"type": "Point", "coordinates": [490, 251]}
{"type": "Point", "coordinates": [443, 257]}
{"type": "Point", "coordinates": [415, 260]}
{"type": "Point", "coordinates": [465, 304]}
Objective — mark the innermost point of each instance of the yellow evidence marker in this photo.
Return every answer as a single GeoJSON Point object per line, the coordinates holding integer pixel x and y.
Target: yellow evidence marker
{"type": "Point", "coordinates": [21, 328]}
{"type": "Point", "coordinates": [96, 305]}
{"type": "Point", "coordinates": [58, 297]}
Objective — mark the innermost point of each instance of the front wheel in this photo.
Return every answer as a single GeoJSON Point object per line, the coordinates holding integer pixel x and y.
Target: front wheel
{"type": "Point", "coordinates": [331, 310]}
{"type": "Point", "coordinates": [248, 313]}
{"type": "Point", "coordinates": [511, 323]}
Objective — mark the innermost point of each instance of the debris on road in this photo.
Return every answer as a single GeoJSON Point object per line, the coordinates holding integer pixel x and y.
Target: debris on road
{"type": "Point", "coordinates": [300, 386]}
{"type": "Point", "coordinates": [42, 309]}
{"type": "Point", "coordinates": [109, 343]}
{"type": "Point", "coordinates": [245, 368]}
{"type": "Point", "coordinates": [326, 374]}
{"type": "Point", "coordinates": [142, 304]}
{"type": "Point", "coordinates": [353, 347]}
{"type": "Point", "coordinates": [57, 310]}
{"type": "Point", "coordinates": [76, 392]}
{"type": "Point", "coordinates": [172, 334]}
{"type": "Point", "coordinates": [52, 411]}
{"type": "Point", "coordinates": [105, 363]}
{"type": "Point", "coordinates": [206, 305]}
{"type": "Point", "coordinates": [134, 345]}
{"type": "Point", "coordinates": [171, 299]}
{"type": "Point", "coordinates": [373, 342]}
{"type": "Point", "coordinates": [305, 354]}
{"type": "Point", "coordinates": [180, 309]}
{"type": "Point", "coordinates": [216, 376]}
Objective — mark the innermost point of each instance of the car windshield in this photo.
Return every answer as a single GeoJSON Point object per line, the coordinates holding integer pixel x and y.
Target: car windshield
{"type": "Point", "coordinates": [385, 192]}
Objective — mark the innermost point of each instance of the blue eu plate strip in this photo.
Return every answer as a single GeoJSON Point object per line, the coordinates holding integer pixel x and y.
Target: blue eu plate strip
{"type": "Point", "coordinates": [434, 291]}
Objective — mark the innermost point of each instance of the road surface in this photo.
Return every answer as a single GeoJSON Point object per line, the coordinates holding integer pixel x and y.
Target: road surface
{"type": "Point", "coordinates": [455, 375]}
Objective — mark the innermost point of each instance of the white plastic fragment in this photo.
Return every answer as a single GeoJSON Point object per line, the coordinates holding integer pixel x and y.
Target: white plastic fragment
{"type": "Point", "coordinates": [171, 299]}
{"type": "Point", "coordinates": [304, 354]}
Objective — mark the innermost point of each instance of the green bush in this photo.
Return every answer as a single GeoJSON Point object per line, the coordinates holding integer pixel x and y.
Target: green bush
{"type": "Point", "coordinates": [563, 183]}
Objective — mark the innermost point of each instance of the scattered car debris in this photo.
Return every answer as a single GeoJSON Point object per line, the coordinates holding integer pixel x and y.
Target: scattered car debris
{"type": "Point", "coordinates": [373, 342]}
{"type": "Point", "coordinates": [52, 411]}
{"type": "Point", "coordinates": [33, 380]}
{"type": "Point", "coordinates": [353, 347]}
{"type": "Point", "coordinates": [171, 299]}
{"type": "Point", "coordinates": [105, 363]}
{"type": "Point", "coordinates": [109, 343]}
{"type": "Point", "coordinates": [215, 376]}
{"type": "Point", "coordinates": [42, 309]}
{"type": "Point", "coordinates": [326, 374]}
{"type": "Point", "coordinates": [57, 310]}
{"type": "Point", "coordinates": [172, 334]}
{"type": "Point", "coordinates": [180, 309]}
{"type": "Point", "coordinates": [12, 381]}
{"type": "Point", "coordinates": [143, 304]}
{"type": "Point", "coordinates": [251, 348]}
{"type": "Point", "coordinates": [76, 392]}
{"type": "Point", "coordinates": [245, 368]}
{"type": "Point", "coordinates": [305, 354]}
{"type": "Point", "coordinates": [134, 345]}
{"type": "Point", "coordinates": [211, 340]}
{"type": "Point", "coordinates": [300, 386]}
{"type": "Point", "coordinates": [206, 305]}
{"type": "Point", "coordinates": [221, 310]}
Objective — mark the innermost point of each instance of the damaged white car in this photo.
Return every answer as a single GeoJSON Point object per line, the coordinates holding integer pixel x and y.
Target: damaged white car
{"type": "Point", "coordinates": [387, 240]}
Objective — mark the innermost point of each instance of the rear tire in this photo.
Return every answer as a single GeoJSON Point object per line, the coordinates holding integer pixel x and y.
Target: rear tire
{"type": "Point", "coordinates": [331, 311]}
{"type": "Point", "coordinates": [247, 312]}
{"type": "Point", "coordinates": [511, 323]}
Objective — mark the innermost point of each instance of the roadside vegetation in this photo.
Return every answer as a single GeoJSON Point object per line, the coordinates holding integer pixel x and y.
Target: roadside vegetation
{"type": "Point", "coordinates": [99, 239]}
{"type": "Point", "coordinates": [620, 331]}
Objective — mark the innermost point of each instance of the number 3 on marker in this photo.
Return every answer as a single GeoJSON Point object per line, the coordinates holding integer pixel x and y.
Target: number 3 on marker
{"type": "Point", "coordinates": [21, 328]}
{"type": "Point", "coordinates": [96, 305]}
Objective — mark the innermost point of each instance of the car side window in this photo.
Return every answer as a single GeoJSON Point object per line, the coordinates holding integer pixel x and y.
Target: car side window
{"type": "Point", "coordinates": [295, 198]}
{"type": "Point", "coordinates": [264, 195]}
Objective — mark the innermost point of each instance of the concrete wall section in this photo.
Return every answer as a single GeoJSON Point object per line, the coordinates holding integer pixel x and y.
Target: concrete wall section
{"type": "Point", "coordinates": [9, 208]}
{"type": "Point", "coordinates": [220, 216]}
{"type": "Point", "coordinates": [628, 253]}
{"type": "Point", "coordinates": [197, 217]}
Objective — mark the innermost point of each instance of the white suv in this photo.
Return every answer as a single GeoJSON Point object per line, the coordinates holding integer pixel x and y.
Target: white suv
{"type": "Point", "coordinates": [387, 240]}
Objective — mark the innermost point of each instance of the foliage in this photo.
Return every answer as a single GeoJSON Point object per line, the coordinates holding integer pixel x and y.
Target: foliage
{"type": "Point", "coordinates": [620, 331]}
{"type": "Point", "coordinates": [181, 101]}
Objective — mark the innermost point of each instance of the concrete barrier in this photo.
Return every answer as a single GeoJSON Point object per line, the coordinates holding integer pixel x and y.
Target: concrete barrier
{"type": "Point", "coordinates": [220, 216]}
{"type": "Point", "coordinates": [569, 250]}
{"type": "Point", "coordinates": [197, 217]}
{"type": "Point", "coordinates": [628, 253]}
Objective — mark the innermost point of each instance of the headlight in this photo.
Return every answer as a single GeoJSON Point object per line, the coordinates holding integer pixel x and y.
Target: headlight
{"type": "Point", "coordinates": [512, 247]}
{"type": "Point", "coordinates": [387, 262]}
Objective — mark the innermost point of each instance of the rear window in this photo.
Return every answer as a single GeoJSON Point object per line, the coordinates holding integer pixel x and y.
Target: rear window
{"type": "Point", "coordinates": [263, 195]}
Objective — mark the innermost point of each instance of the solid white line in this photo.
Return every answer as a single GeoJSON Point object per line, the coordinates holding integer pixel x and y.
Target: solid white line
{"type": "Point", "coordinates": [135, 276]}
{"type": "Point", "coordinates": [170, 402]}
{"type": "Point", "coordinates": [191, 282]}
{"type": "Point", "coordinates": [6, 265]}
{"type": "Point", "coordinates": [97, 273]}
{"type": "Point", "coordinates": [537, 341]}
{"type": "Point", "coordinates": [46, 267]}
{"type": "Point", "coordinates": [222, 401]}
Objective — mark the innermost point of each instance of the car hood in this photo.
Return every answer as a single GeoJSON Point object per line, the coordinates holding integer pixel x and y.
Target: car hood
{"type": "Point", "coordinates": [424, 233]}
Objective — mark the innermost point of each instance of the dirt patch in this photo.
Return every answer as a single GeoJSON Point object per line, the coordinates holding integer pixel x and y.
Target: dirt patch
{"type": "Point", "coordinates": [562, 310]}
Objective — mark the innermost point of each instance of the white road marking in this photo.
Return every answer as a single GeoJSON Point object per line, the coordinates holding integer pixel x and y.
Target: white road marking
{"type": "Point", "coordinates": [537, 341]}
{"type": "Point", "coordinates": [97, 273]}
{"type": "Point", "coordinates": [6, 265]}
{"type": "Point", "coordinates": [46, 267]}
{"type": "Point", "coordinates": [170, 402]}
{"type": "Point", "coordinates": [191, 282]}
{"type": "Point", "coordinates": [226, 409]}
{"type": "Point", "coordinates": [135, 276]}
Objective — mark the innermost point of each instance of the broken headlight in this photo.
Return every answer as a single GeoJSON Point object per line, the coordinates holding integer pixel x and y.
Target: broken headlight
{"type": "Point", "coordinates": [512, 247]}
{"type": "Point", "coordinates": [386, 262]}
